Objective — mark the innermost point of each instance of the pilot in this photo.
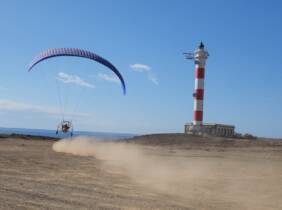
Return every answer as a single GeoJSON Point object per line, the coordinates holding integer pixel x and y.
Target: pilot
{"type": "Point", "coordinates": [65, 127]}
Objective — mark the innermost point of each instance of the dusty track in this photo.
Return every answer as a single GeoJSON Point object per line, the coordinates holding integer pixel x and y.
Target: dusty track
{"type": "Point", "coordinates": [189, 175]}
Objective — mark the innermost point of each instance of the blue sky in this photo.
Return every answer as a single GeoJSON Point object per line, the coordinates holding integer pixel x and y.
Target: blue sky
{"type": "Point", "coordinates": [243, 73]}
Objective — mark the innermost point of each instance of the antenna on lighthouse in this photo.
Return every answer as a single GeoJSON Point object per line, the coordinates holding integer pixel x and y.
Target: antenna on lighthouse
{"type": "Point", "coordinates": [189, 55]}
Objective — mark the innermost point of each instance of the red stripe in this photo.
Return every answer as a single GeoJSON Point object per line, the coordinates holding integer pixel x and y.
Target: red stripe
{"type": "Point", "coordinates": [199, 94]}
{"type": "Point", "coordinates": [198, 115]}
{"type": "Point", "coordinates": [200, 73]}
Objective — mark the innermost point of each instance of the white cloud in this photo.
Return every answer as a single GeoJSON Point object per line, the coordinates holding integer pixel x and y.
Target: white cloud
{"type": "Point", "coordinates": [13, 106]}
{"type": "Point", "coordinates": [73, 79]}
{"type": "Point", "coordinates": [143, 68]}
{"type": "Point", "coordinates": [109, 78]}
{"type": "Point", "coordinates": [140, 67]}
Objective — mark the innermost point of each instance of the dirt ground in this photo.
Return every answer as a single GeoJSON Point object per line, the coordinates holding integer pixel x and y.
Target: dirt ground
{"type": "Point", "coordinates": [146, 174]}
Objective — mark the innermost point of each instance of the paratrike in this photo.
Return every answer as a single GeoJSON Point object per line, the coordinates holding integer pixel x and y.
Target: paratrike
{"type": "Point", "coordinates": [65, 127]}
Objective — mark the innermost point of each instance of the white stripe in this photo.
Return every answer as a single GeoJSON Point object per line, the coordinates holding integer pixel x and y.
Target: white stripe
{"type": "Point", "coordinates": [197, 122]}
{"type": "Point", "coordinates": [198, 105]}
{"type": "Point", "coordinates": [199, 84]}
{"type": "Point", "coordinates": [200, 65]}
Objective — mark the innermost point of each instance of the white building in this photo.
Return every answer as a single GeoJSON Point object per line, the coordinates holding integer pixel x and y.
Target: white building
{"type": "Point", "coordinates": [211, 129]}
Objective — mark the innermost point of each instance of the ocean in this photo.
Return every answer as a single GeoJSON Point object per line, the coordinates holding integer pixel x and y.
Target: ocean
{"type": "Point", "coordinates": [52, 133]}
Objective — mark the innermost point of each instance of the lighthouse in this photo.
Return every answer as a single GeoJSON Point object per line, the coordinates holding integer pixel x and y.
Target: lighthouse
{"type": "Point", "coordinates": [199, 56]}
{"type": "Point", "coordinates": [197, 127]}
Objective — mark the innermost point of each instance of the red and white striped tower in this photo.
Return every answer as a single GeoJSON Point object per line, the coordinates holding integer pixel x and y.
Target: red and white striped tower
{"type": "Point", "coordinates": [199, 56]}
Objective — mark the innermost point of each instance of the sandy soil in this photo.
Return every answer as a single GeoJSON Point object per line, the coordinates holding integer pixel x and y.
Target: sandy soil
{"type": "Point", "coordinates": [153, 172]}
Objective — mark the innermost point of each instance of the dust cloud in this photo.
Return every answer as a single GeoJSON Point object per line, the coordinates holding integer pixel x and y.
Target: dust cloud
{"type": "Point", "coordinates": [196, 178]}
{"type": "Point", "coordinates": [145, 165]}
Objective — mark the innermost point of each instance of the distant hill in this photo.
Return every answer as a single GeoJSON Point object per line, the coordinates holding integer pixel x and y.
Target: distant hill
{"type": "Point", "coordinates": [191, 141]}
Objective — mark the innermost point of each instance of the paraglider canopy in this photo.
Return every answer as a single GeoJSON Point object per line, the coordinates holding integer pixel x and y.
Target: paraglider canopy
{"type": "Point", "coordinates": [49, 53]}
